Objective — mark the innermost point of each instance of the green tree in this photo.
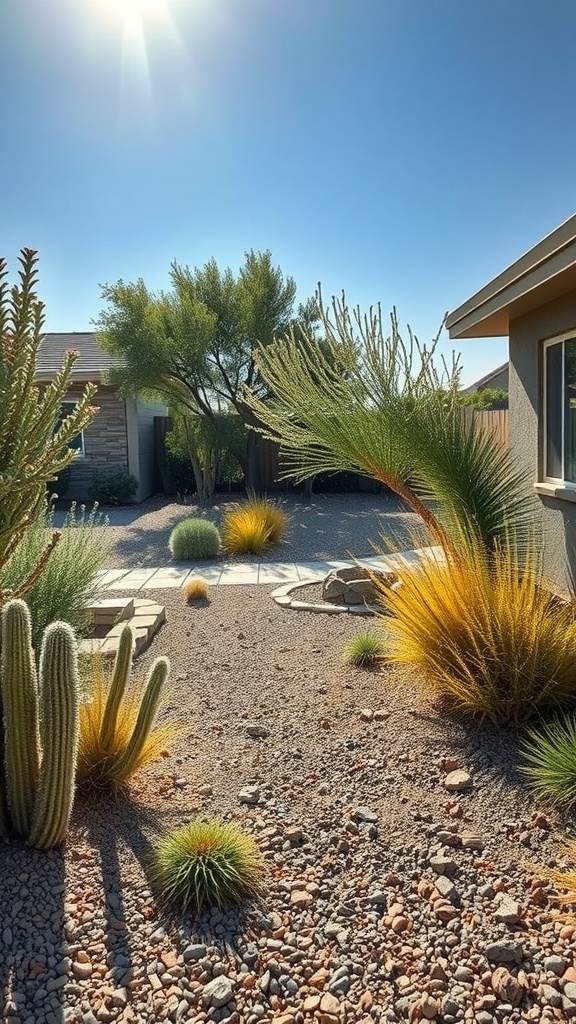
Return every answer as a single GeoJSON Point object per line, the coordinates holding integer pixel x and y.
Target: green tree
{"type": "Point", "coordinates": [34, 437]}
{"type": "Point", "coordinates": [375, 404]}
{"type": "Point", "coordinates": [487, 398]}
{"type": "Point", "coordinates": [193, 346]}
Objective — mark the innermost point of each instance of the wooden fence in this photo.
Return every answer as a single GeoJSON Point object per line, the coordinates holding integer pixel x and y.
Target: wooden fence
{"type": "Point", "coordinates": [494, 421]}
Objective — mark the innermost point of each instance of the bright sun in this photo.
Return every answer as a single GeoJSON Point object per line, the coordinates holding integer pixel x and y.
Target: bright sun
{"type": "Point", "coordinates": [134, 10]}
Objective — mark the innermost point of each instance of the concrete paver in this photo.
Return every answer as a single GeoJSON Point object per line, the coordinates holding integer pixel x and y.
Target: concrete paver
{"type": "Point", "coordinates": [250, 573]}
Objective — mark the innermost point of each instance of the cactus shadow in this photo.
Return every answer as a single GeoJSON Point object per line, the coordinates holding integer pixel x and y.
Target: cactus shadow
{"type": "Point", "coordinates": [113, 825]}
{"type": "Point", "coordinates": [32, 932]}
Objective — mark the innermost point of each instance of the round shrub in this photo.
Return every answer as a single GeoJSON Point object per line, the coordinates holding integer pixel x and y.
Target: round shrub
{"type": "Point", "coordinates": [194, 538]}
{"type": "Point", "coordinates": [206, 863]}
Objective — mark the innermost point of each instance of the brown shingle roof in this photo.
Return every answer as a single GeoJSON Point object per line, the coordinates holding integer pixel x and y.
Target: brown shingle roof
{"type": "Point", "coordinates": [91, 362]}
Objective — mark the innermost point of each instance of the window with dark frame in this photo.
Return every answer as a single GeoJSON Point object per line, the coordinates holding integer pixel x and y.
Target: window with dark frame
{"type": "Point", "coordinates": [560, 409]}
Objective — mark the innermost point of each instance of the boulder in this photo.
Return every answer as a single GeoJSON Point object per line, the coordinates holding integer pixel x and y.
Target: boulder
{"type": "Point", "coordinates": [354, 585]}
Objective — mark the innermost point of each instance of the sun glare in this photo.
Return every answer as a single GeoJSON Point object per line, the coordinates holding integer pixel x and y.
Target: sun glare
{"type": "Point", "coordinates": [134, 10]}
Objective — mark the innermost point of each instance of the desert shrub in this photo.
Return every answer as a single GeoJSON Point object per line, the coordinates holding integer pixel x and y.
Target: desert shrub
{"type": "Point", "coordinates": [118, 734]}
{"type": "Point", "coordinates": [194, 538]}
{"type": "Point", "coordinates": [196, 590]}
{"type": "Point", "coordinates": [35, 438]}
{"type": "Point", "coordinates": [113, 486]}
{"type": "Point", "coordinates": [482, 634]}
{"type": "Point", "coordinates": [68, 580]}
{"type": "Point", "coordinates": [550, 753]}
{"type": "Point", "coordinates": [365, 650]}
{"type": "Point", "coordinates": [206, 863]}
{"type": "Point", "coordinates": [254, 526]}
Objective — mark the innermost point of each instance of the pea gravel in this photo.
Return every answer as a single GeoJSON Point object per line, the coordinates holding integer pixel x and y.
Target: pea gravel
{"type": "Point", "coordinates": [399, 846]}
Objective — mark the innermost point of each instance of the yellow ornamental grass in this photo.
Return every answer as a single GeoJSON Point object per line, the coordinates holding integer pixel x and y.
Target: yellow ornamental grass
{"type": "Point", "coordinates": [100, 763]}
{"type": "Point", "coordinates": [254, 526]}
{"type": "Point", "coordinates": [483, 634]}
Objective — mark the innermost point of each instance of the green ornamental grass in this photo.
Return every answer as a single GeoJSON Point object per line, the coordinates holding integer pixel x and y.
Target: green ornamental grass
{"type": "Point", "coordinates": [207, 863]}
{"type": "Point", "coordinates": [194, 538]}
{"type": "Point", "coordinates": [365, 650]}
{"type": "Point", "coordinates": [550, 753]}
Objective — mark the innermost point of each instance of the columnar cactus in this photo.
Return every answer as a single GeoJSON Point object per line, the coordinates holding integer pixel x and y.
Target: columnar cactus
{"type": "Point", "coordinates": [20, 710]}
{"type": "Point", "coordinates": [118, 686]}
{"type": "Point", "coordinates": [128, 761]}
{"type": "Point", "coordinates": [59, 729]}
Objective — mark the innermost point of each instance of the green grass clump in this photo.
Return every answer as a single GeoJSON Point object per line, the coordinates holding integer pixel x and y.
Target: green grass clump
{"type": "Point", "coordinates": [550, 753]}
{"type": "Point", "coordinates": [365, 650]}
{"type": "Point", "coordinates": [207, 863]}
{"type": "Point", "coordinates": [254, 526]}
{"type": "Point", "coordinates": [194, 538]}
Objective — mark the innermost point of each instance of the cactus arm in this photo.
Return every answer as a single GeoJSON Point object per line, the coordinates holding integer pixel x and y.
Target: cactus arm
{"type": "Point", "coordinates": [20, 712]}
{"type": "Point", "coordinates": [118, 685]}
{"type": "Point", "coordinates": [127, 761]}
{"type": "Point", "coordinates": [59, 728]}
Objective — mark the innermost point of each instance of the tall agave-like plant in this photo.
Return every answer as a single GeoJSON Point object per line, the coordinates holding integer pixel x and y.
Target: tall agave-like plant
{"type": "Point", "coordinates": [40, 770]}
{"type": "Point", "coordinates": [375, 404]}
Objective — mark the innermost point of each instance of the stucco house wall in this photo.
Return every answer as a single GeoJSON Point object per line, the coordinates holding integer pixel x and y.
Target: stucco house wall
{"type": "Point", "coordinates": [557, 516]}
{"type": "Point", "coordinates": [532, 301]}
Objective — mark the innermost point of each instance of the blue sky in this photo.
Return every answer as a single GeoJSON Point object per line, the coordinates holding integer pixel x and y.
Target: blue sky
{"type": "Point", "coordinates": [405, 150]}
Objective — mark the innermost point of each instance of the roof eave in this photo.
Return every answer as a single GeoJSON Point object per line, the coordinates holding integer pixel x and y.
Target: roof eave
{"type": "Point", "coordinates": [543, 273]}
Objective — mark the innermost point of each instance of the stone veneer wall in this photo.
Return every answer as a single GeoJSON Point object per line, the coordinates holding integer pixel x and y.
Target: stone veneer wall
{"type": "Point", "coordinates": [105, 441]}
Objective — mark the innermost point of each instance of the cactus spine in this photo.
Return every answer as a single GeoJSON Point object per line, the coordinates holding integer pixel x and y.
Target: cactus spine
{"type": "Point", "coordinates": [59, 728]}
{"type": "Point", "coordinates": [127, 762]}
{"type": "Point", "coordinates": [118, 686]}
{"type": "Point", "coordinates": [20, 709]}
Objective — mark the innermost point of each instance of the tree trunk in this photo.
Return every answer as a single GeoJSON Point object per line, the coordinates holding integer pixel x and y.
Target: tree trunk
{"type": "Point", "coordinates": [252, 477]}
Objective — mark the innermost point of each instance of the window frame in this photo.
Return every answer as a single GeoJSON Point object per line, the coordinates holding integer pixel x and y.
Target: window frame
{"type": "Point", "coordinates": [79, 453]}
{"type": "Point", "coordinates": [558, 339]}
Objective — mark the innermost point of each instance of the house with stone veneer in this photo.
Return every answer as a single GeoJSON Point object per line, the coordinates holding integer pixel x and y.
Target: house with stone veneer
{"type": "Point", "coordinates": [122, 432]}
{"type": "Point", "coordinates": [533, 302]}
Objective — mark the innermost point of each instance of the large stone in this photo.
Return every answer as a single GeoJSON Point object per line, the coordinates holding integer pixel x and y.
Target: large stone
{"type": "Point", "coordinates": [507, 987]}
{"type": "Point", "coordinates": [504, 952]}
{"type": "Point", "coordinates": [217, 992]}
{"type": "Point", "coordinates": [355, 585]}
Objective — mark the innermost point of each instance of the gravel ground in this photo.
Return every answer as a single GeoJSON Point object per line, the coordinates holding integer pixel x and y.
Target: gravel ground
{"type": "Point", "coordinates": [330, 526]}
{"type": "Point", "coordinates": [389, 897]}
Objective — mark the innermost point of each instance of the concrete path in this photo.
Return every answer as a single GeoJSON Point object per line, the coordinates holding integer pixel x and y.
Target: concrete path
{"type": "Point", "coordinates": [247, 573]}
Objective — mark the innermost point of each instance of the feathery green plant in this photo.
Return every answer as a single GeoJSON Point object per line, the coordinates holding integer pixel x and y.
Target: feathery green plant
{"type": "Point", "coordinates": [550, 753]}
{"type": "Point", "coordinates": [69, 580]}
{"type": "Point", "coordinates": [207, 863]}
{"type": "Point", "coordinates": [381, 406]}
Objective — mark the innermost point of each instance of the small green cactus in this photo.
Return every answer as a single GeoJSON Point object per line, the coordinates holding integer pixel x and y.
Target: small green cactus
{"type": "Point", "coordinates": [128, 760]}
{"type": "Point", "coordinates": [20, 709]}
{"type": "Point", "coordinates": [118, 685]}
{"type": "Point", "coordinates": [59, 727]}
